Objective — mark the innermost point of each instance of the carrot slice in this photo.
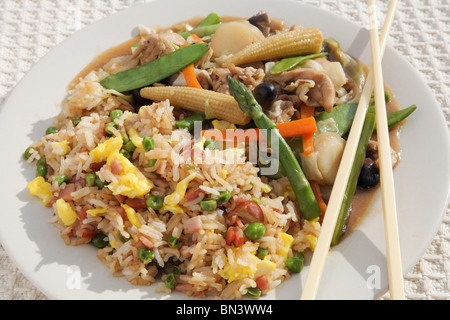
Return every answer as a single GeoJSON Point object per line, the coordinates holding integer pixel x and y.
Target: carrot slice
{"type": "Point", "coordinates": [294, 128]}
{"type": "Point", "coordinates": [301, 127]}
{"type": "Point", "coordinates": [307, 139]}
{"type": "Point", "coordinates": [189, 72]}
{"type": "Point", "coordinates": [316, 190]}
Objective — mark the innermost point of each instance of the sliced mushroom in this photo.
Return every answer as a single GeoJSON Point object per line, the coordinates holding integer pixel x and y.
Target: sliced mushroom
{"type": "Point", "coordinates": [261, 20]}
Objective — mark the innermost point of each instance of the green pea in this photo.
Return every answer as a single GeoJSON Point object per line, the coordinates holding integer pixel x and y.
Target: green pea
{"type": "Point", "coordinates": [208, 204]}
{"type": "Point", "coordinates": [170, 281]}
{"type": "Point", "coordinates": [151, 162]}
{"type": "Point", "coordinates": [99, 241]}
{"type": "Point", "coordinates": [254, 292]}
{"type": "Point", "coordinates": [224, 196]}
{"type": "Point", "coordinates": [42, 161]}
{"type": "Point", "coordinates": [121, 237]}
{"type": "Point", "coordinates": [154, 202]}
{"type": "Point", "coordinates": [61, 179]}
{"type": "Point", "coordinates": [76, 120]}
{"type": "Point", "coordinates": [51, 130]}
{"type": "Point", "coordinates": [129, 146]}
{"type": "Point", "coordinates": [27, 154]}
{"type": "Point", "coordinates": [125, 138]}
{"type": "Point", "coordinates": [295, 263]}
{"type": "Point", "coordinates": [90, 179]}
{"type": "Point", "coordinates": [146, 255]}
{"type": "Point", "coordinates": [262, 253]}
{"type": "Point", "coordinates": [171, 268]}
{"type": "Point", "coordinates": [211, 144]}
{"type": "Point", "coordinates": [189, 122]}
{"type": "Point", "coordinates": [108, 131]}
{"type": "Point", "coordinates": [148, 143]}
{"type": "Point", "coordinates": [115, 114]}
{"type": "Point", "coordinates": [255, 230]}
{"type": "Point", "coordinates": [41, 167]}
{"type": "Point", "coordinates": [172, 241]}
{"type": "Point", "coordinates": [125, 153]}
{"type": "Point", "coordinates": [41, 171]}
{"type": "Point", "coordinates": [99, 183]}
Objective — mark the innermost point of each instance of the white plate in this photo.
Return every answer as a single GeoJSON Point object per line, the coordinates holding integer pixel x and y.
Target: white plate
{"type": "Point", "coordinates": [353, 267]}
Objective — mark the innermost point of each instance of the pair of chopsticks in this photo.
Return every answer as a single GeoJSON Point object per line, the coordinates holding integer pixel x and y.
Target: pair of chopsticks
{"type": "Point", "coordinates": [374, 82]}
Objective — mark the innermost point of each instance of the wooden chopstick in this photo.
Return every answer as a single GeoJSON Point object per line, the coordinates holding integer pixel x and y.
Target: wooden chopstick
{"type": "Point", "coordinates": [394, 264]}
{"type": "Point", "coordinates": [337, 194]}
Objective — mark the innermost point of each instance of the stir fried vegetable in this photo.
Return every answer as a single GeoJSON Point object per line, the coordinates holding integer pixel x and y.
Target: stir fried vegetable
{"type": "Point", "coordinates": [287, 64]}
{"type": "Point", "coordinates": [360, 155]}
{"type": "Point", "coordinates": [208, 26]}
{"type": "Point", "coordinates": [306, 200]}
{"type": "Point", "coordinates": [155, 70]}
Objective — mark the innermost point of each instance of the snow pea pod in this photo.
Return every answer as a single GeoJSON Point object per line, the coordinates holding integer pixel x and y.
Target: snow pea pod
{"type": "Point", "coordinates": [208, 26]}
{"type": "Point", "coordinates": [341, 118]}
{"type": "Point", "coordinates": [360, 155]}
{"type": "Point", "coordinates": [395, 117]}
{"type": "Point", "coordinates": [155, 70]}
{"type": "Point", "coordinates": [287, 64]}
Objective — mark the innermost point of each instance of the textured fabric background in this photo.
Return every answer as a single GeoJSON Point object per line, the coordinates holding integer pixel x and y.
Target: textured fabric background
{"type": "Point", "coordinates": [421, 33]}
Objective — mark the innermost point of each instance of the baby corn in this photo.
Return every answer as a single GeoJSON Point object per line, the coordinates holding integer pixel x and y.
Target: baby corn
{"type": "Point", "coordinates": [211, 103]}
{"type": "Point", "coordinates": [282, 45]}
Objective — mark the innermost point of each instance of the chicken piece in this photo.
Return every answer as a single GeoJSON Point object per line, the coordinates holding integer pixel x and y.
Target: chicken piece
{"type": "Point", "coordinates": [155, 45]}
{"type": "Point", "coordinates": [322, 94]}
{"type": "Point", "coordinates": [372, 152]}
{"type": "Point", "coordinates": [250, 76]}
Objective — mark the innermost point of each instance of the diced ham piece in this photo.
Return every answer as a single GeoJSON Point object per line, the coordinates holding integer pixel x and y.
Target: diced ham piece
{"type": "Point", "coordinates": [136, 203]}
{"type": "Point", "coordinates": [193, 224]}
{"type": "Point", "coordinates": [116, 167]}
{"type": "Point", "coordinates": [146, 242]}
{"type": "Point", "coordinates": [96, 165]}
{"type": "Point", "coordinates": [262, 283]}
{"type": "Point", "coordinates": [101, 129]}
{"type": "Point", "coordinates": [184, 287]}
{"type": "Point", "coordinates": [66, 192]}
{"type": "Point", "coordinates": [120, 198]}
{"type": "Point", "coordinates": [80, 180]}
{"type": "Point", "coordinates": [187, 251]}
{"type": "Point", "coordinates": [234, 236]}
{"type": "Point", "coordinates": [122, 213]}
{"type": "Point", "coordinates": [193, 194]}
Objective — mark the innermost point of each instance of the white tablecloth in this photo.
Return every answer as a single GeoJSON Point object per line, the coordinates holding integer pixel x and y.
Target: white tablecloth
{"type": "Point", "coordinates": [421, 33]}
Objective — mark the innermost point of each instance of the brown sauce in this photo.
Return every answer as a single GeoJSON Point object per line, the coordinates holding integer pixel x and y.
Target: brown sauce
{"type": "Point", "coordinates": [363, 198]}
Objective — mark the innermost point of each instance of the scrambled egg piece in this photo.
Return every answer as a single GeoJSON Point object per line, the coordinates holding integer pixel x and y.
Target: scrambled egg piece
{"type": "Point", "coordinates": [312, 239]}
{"type": "Point", "coordinates": [171, 201]}
{"type": "Point", "coordinates": [65, 212]}
{"type": "Point", "coordinates": [60, 148]}
{"type": "Point", "coordinates": [134, 137]}
{"type": "Point", "coordinates": [102, 151]}
{"type": "Point", "coordinates": [287, 240]}
{"type": "Point", "coordinates": [132, 215]}
{"type": "Point", "coordinates": [96, 212]}
{"type": "Point", "coordinates": [222, 125]}
{"type": "Point", "coordinates": [130, 181]}
{"type": "Point", "coordinates": [255, 268]}
{"type": "Point", "coordinates": [42, 189]}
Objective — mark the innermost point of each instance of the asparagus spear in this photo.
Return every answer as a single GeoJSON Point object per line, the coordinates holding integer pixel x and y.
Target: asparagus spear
{"type": "Point", "coordinates": [306, 201]}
